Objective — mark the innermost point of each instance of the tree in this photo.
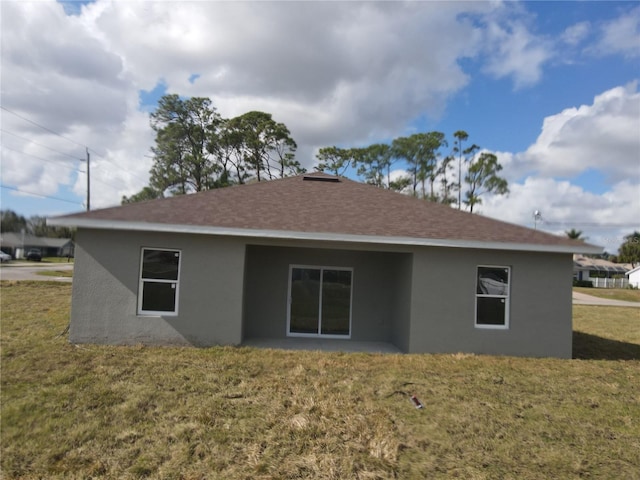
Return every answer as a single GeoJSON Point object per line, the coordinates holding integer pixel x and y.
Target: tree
{"type": "Point", "coordinates": [574, 234]}
{"type": "Point", "coordinates": [182, 159]}
{"type": "Point", "coordinates": [147, 193]}
{"type": "Point", "coordinates": [400, 184]}
{"type": "Point", "coordinates": [10, 221]}
{"type": "Point", "coordinates": [406, 148]}
{"type": "Point", "coordinates": [34, 225]}
{"type": "Point", "coordinates": [444, 167]}
{"type": "Point", "coordinates": [482, 177]}
{"type": "Point", "coordinates": [335, 160]}
{"type": "Point", "coordinates": [267, 148]}
{"type": "Point", "coordinates": [629, 251]}
{"type": "Point", "coordinates": [374, 164]}
{"type": "Point", "coordinates": [420, 152]}
{"type": "Point", "coordinates": [196, 149]}
{"type": "Point", "coordinates": [433, 141]}
{"type": "Point", "coordinates": [464, 156]}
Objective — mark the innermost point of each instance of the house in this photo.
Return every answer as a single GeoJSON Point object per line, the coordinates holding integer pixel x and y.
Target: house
{"type": "Point", "coordinates": [17, 245]}
{"type": "Point", "coordinates": [601, 273]}
{"type": "Point", "coordinates": [633, 277]}
{"type": "Point", "coordinates": [317, 256]}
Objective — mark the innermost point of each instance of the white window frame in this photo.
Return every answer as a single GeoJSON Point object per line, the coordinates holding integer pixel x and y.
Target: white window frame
{"type": "Point", "coordinates": [507, 300]}
{"type": "Point", "coordinates": [141, 282]}
{"type": "Point", "coordinates": [322, 268]}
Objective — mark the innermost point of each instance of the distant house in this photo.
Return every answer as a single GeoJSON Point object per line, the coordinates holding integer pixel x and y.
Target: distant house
{"type": "Point", "coordinates": [317, 256]}
{"type": "Point", "coordinates": [601, 273]}
{"type": "Point", "coordinates": [17, 245]}
{"type": "Point", "coordinates": [633, 277]}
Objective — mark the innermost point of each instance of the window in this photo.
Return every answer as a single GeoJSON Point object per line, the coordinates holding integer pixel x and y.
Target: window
{"type": "Point", "coordinates": [492, 297]}
{"type": "Point", "coordinates": [319, 301]}
{"type": "Point", "coordinates": [159, 279]}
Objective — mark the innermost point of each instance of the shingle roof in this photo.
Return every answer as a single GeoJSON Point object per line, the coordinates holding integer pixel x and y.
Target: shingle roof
{"type": "Point", "coordinates": [13, 239]}
{"type": "Point", "coordinates": [599, 264]}
{"type": "Point", "coordinates": [320, 204]}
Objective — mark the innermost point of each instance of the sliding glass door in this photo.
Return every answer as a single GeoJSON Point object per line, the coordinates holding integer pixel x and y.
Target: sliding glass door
{"type": "Point", "coordinates": [319, 301]}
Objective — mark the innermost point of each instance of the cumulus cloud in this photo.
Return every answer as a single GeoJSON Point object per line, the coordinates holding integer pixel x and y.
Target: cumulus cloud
{"type": "Point", "coordinates": [603, 136]}
{"type": "Point", "coordinates": [333, 72]}
{"type": "Point", "coordinates": [604, 218]}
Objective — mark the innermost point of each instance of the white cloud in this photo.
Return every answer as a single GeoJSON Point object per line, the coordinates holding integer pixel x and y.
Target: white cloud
{"type": "Point", "coordinates": [512, 48]}
{"type": "Point", "coordinates": [576, 33]}
{"type": "Point", "coordinates": [333, 72]}
{"type": "Point", "coordinates": [621, 35]}
{"type": "Point", "coordinates": [605, 219]}
{"type": "Point", "coordinates": [603, 136]}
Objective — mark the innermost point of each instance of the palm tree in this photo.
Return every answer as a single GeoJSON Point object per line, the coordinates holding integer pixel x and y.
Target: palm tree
{"type": "Point", "coordinates": [574, 234]}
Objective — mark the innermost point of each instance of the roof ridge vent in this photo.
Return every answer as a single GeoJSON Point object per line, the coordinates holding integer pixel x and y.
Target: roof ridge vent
{"type": "Point", "coordinates": [320, 177]}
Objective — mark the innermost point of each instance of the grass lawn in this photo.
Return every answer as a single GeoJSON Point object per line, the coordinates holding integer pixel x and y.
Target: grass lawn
{"type": "Point", "coordinates": [56, 273]}
{"type": "Point", "coordinates": [625, 294]}
{"type": "Point", "coordinates": [241, 413]}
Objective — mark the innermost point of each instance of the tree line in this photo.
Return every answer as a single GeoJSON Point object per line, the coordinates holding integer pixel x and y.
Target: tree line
{"type": "Point", "coordinates": [430, 173]}
{"type": "Point", "coordinates": [196, 149]}
{"type": "Point", "coordinates": [36, 225]}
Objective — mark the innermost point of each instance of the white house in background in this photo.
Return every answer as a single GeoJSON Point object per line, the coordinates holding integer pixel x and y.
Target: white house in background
{"type": "Point", "coordinates": [634, 277]}
{"type": "Point", "coordinates": [602, 273]}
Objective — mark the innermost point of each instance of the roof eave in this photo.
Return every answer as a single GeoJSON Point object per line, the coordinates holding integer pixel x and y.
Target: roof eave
{"type": "Point", "coordinates": [316, 236]}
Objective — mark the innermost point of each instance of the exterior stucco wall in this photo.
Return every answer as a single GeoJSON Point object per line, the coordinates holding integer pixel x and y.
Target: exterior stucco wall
{"type": "Point", "coordinates": [378, 307]}
{"type": "Point", "coordinates": [443, 303]}
{"type": "Point", "coordinates": [105, 289]}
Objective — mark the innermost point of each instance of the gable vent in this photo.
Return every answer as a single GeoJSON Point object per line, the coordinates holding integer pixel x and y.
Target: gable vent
{"type": "Point", "coordinates": [321, 178]}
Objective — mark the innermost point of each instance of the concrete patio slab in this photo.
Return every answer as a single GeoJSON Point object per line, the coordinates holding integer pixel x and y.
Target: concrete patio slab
{"type": "Point", "coordinates": [323, 344]}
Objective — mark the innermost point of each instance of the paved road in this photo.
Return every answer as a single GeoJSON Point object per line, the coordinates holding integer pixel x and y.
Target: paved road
{"type": "Point", "coordinates": [29, 271]}
{"type": "Point", "coordinates": [584, 299]}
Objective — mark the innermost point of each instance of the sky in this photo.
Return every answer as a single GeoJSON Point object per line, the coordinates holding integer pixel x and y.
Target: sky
{"type": "Point", "coordinates": [551, 88]}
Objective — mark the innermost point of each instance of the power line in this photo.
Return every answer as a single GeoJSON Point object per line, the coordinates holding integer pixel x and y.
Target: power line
{"type": "Point", "coordinates": [590, 224]}
{"type": "Point", "coordinates": [64, 166]}
{"type": "Point", "coordinates": [43, 159]}
{"type": "Point", "coordinates": [40, 195]}
{"type": "Point", "coordinates": [42, 127]}
{"type": "Point", "coordinates": [42, 145]}
{"type": "Point", "coordinates": [69, 140]}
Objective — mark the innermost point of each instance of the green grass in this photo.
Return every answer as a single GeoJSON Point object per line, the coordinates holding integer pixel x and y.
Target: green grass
{"type": "Point", "coordinates": [239, 413]}
{"type": "Point", "coordinates": [56, 273]}
{"type": "Point", "coordinates": [625, 294]}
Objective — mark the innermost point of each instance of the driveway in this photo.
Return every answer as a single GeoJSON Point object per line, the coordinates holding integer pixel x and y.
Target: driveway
{"type": "Point", "coordinates": [29, 271]}
{"type": "Point", "coordinates": [584, 299]}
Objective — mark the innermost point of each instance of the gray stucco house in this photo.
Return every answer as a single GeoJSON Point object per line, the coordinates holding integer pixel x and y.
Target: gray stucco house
{"type": "Point", "coordinates": [319, 256]}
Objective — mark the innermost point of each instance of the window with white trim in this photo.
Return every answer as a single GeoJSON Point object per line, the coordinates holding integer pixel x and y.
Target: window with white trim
{"type": "Point", "coordinates": [159, 282]}
{"type": "Point", "coordinates": [492, 297]}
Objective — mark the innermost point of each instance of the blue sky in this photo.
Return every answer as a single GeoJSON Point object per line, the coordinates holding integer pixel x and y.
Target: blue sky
{"type": "Point", "coordinates": [550, 87]}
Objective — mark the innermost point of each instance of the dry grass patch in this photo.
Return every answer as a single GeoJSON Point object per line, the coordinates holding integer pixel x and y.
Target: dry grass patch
{"type": "Point", "coordinates": [242, 413]}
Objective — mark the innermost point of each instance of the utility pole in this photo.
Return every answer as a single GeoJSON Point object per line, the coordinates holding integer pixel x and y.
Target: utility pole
{"type": "Point", "coordinates": [88, 181]}
{"type": "Point", "coordinates": [537, 217]}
